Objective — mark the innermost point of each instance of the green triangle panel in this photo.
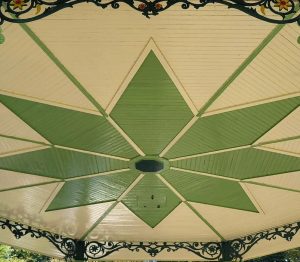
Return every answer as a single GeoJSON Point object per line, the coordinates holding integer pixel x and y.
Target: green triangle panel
{"type": "Point", "coordinates": [151, 110]}
{"type": "Point", "coordinates": [241, 164]}
{"type": "Point", "coordinates": [93, 190]}
{"type": "Point", "coordinates": [60, 163]}
{"type": "Point", "coordinates": [232, 129]}
{"type": "Point", "coordinates": [209, 190]}
{"type": "Point", "coordinates": [151, 200]}
{"type": "Point", "coordinates": [70, 128]}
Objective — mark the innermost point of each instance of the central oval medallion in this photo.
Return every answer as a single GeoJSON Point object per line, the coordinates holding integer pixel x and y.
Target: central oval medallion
{"type": "Point", "coordinates": [149, 164]}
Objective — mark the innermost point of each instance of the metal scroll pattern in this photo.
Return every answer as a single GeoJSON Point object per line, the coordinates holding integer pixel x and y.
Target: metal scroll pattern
{"type": "Point", "coordinates": [232, 250]}
{"type": "Point", "coordinates": [64, 244]}
{"type": "Point", "coordinates": [94, 250]}
{"type": "Point", "coordinates": [208, 251]}
{"type": "Point", "coordinates": [241, 246]}
{"type": "Point", "coordinates": [273, 11]}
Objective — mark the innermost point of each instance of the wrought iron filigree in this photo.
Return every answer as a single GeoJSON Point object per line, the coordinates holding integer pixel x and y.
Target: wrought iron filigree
{"type": "Point", "coordinates": [208, 251]}
{"type": "Point", "coordinates": [273, 11]}
{"type": "Point", "coordinates": [232, 250]}
{"type": "Point", "coordinates": [241, 246]}
{"type": "Point", "coordinates": [64, 244]}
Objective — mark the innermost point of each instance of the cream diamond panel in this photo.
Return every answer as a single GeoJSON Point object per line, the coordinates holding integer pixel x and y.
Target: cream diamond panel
{"type": "Point", "coordinates": [196, 45]}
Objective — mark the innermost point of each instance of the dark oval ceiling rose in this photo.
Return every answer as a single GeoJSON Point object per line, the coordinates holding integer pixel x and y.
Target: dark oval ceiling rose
{"type": "Point", "coordinates": [149, 165]}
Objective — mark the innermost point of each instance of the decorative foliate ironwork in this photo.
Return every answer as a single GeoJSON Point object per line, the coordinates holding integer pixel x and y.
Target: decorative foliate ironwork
{"type": "Point", "coordinates": [240, 246]}
{"type": "Point", "coordinates": [64, 244]}
{"type": "Point", "coordinates": [273, 11]}
{"type": "Point", "coordinates": [232, 250]}
{"type": "Point", "coordinates": [208, 251]}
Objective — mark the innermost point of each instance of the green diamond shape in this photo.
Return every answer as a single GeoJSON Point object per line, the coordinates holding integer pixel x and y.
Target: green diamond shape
{"type": "Point", "coordinates": [70, 128]}
{"type": "Point", "coordinates": [151, 200]}
{"type": "Point", "coordinates": [209, 190]}
{"type": "Point", "coordinates": [241, 164]}
{"type": "Point", "coordinates": [151, 110]}
{"type": "Point", "coordinates": [86, 191]}
{"type": "Point", "coordinates": [232, 129]}
{"type": "Point", "coordinates": [60, 163]}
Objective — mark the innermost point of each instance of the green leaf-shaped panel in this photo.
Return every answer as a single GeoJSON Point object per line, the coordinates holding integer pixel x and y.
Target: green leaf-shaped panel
{"type": "Point", "coordinates": [232, 129]}
{"type": "Point", "coordinates": [60, 163]}
{"type": "Point", "coordinates": [86, 191]}
{"type": "Point", "coordinates": [151, 110]}
{"type": "Point", "coordinates": [151, 200]}
{"type": "Point", "coordinates": [209, 190]}
{"type": "Point", "coordinates": [70, 128]}
{"type": "Point", "coordinates": [241, 164]}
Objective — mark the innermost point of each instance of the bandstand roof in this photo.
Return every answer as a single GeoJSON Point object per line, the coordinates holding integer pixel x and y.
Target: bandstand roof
{"type": "Point", "coordinates": [213, 95]}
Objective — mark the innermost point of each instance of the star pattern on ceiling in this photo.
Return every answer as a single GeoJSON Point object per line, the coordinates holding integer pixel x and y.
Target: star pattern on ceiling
{"type": "Point", "coordinates": [206, 163]}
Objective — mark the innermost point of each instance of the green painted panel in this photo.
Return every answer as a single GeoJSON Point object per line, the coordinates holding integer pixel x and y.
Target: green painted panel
{"type": "Point", "coordinates": [151, 200]}
{"type": "Point", "coordinates": [241, 164]}
{"type": "Point", "coordinates": [70, 128]}
{"type": "Point", "coordinates": [232, 129]}
{"type": "Point", "coordinates": [60, 163]}
{"type": "Point", "coordinates": [151, 110]}
{"type": "Point", "coordinates": [209, 190]}
{"type": "Point", "coordinates": [92, 190]}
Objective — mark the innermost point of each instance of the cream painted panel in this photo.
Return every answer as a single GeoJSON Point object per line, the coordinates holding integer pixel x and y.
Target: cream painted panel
{"type": "Point", "coordinates": [286, 180]}
{"type": "Point", "coordinates": [207, 46]}
{"type": "Point", "coordinates": [41, 245]}
{"type": "Point", "coordinates": [181, 225]}
{"type": "Point", "coordinates": [100, 47]}
{"type": "Point", "coordinates": [10, 179]}
{"type": "Point", "coordinates": [27, 205]}
{"type": "Point", "coordinates": [73, 222]}
{"type": "Point", "coordinates": [27, 71]}
{"type": "Point", "coordinates": [12, 146]}
{"type": "Point", "coordinates": [280, 207]}
{"type": "Point", "coordinates": [273, 73]}
{"type": "Point", "coordinates": [291, 146]}
{"type": "Point", "coordinates": [14, 126]}
{"type": "Point", "coordinates": [288, 127]}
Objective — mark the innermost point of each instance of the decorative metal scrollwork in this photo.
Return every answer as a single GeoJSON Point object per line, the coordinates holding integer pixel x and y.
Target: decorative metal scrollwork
{"type": "Point", "coordinates": [241, 246]}
{"type": "Point", "coordinates": [208, 251]}
{"type": "Point", "coordinates": [273, 11]}
{"type": "Point", "coordinates": [64, 244]}
{"type": "Point", "coordinates": [232, 250]}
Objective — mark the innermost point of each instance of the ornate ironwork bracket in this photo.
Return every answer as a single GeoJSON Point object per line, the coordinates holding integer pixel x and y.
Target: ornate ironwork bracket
{"type": "Point", "coordinates": [64, 244]}
{"type": "Point", "coordinates": [273, 11]}
{"type": "Point", "coordinates": [232, 250]}
{"type": "Point", "coordinates": [240, 246]}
